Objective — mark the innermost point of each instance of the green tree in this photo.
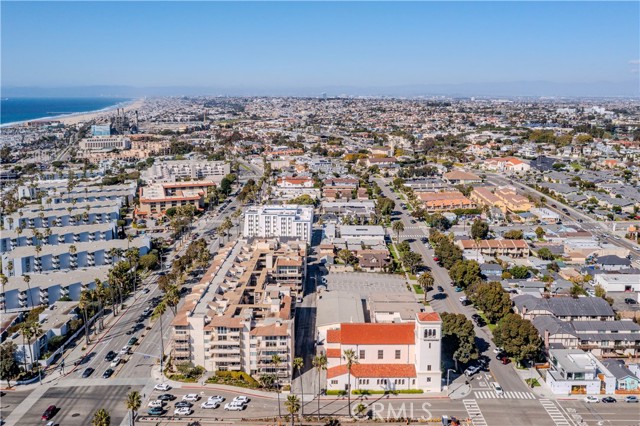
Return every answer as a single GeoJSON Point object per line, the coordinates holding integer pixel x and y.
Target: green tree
{"type": "Point", "coordinates": [133, 403]}
{"type": "Point", "coordinates": [479, 230]}
{"type": "Point", "coordinates": [426, 282]}
{"type": "Point", "coordinates": [411, 260]}
{"type": "Point", "coordinates": [447, 252]}
{"type": "Point", "coordinates": [519, 272]}
{"type": "Point", "coordinates": [346, 256]}
{"type": "Point", "coordinates": [148, 261]}
{"type": "Point", "coordinates": [9, 368]}
{"type": "Point", "coordinates": [385, 206]}
{"type": "Point", "coordinates": [101, 418]}
{"type": "Point", "coordinates": [293, 405]}
{"type": "Point", "coordinates": [350, 360]}
{"type": "Point", "coordinates": [439, 222]}
{"type": "Point", "coordinates": [518, 337]}
{"type": "Point", "coordinates": [539, 232]}
{"type": "Point", "coordinates": [545, 254]}
{"type": "Point", "coordinates": [492, 300]}
{"type": "Point", "coordinates": [465, 272]}
{"type": "Point", "coordinates": [397, 227]}
{"type": "Point", "coordinates": [514, 234]}
{"type": "Point", "coordinates": [458, 337]}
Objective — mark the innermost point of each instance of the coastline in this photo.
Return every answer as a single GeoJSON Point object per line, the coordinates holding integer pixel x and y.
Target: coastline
{"type": "Point", "coordinates": [79, 117]}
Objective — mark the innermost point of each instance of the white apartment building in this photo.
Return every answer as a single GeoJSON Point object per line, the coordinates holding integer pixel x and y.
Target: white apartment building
{"type": "Point", "coordinates": [391, 356]}
{"type": "Point", "coordinates": [172, 171]}
{"type": "Point", "coordinates": [268, 221]}
{"type": "Point", "coordinates": [105, 143]}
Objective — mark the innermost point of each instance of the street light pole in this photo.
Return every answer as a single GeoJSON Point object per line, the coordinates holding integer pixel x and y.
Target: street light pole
{"type": "Point", "coordinates": [448, 371]}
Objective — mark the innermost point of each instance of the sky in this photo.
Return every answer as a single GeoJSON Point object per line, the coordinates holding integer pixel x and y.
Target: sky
{"type": "Point", "coordinates": [309, 45]}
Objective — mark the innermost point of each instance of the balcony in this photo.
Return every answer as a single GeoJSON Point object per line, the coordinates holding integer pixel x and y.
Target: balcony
{"type": "Point", "coordinates": [76, 238]}
{"type": "Point", "coordinates": [58, 222]}
{"type": "Point", "coordinates": [23, 296]}
{"type": "Point", "coordinates": [44, 300]}
{"type": "Point", "coordinates": [92, 237]}
{"type": "Point", "coordinates": [107, 260]}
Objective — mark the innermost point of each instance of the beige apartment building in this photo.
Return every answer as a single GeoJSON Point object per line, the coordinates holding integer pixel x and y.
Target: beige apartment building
{"type": "Point", "coordinates": [242, 311]}
{"type": "Point", "coordinates": [505, 199]}
{"type": "Point", "coordinates": [157, 198]}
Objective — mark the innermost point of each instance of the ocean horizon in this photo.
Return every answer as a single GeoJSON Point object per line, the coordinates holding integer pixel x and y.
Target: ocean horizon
{"type": "Point", "coordinates": [18, 109]}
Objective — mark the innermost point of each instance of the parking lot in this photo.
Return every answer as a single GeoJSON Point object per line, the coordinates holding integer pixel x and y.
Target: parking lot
{"type": "Point", "coordinates": [257, 407]}
{"type": "Point", "coordinates": [365, 283]}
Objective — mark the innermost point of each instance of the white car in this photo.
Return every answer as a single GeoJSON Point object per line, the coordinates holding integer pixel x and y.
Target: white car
{"type": "Point", "coordinates": [591, 398]}
{"type": "Point", "coordinates": [210, 404]}
{"type": "Point", "coordinates": [234, 406]}
{"type": "Point", "coordinates": [498, 350]}
{"type": "Point", "coordinates": [162, 387]}
{"type": "Point", "coordinates": [497, 388]}
{"type": "Point", "coordinates": [241, 399]}
{"type": "Point", "coordinates": [191, 397]}
{"type": "Point", "coordinates": [116, 361]}
{"type": "Point", "coordinates": [125, 350]}
{"type": "Point", "coordinates": [157, 403]}
{"type": "Point", "coordinates": [216, 398]}
{"type": "Point", "coordinates": [184, 411]}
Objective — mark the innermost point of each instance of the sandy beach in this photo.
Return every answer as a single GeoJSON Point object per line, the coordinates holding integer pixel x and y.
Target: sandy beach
{"type": "Point", "coordinates": [81, 117]}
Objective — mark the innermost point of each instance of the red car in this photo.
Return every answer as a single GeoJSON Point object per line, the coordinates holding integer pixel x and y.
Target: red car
{"type": "Point", "coordinates": [48, 413]}
{"type": "Point", "coordinates": [436, 258]}
{"type": "Point", "coordinates": [505, 360]}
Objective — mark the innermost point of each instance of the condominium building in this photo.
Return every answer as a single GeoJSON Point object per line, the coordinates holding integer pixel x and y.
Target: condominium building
{"type": "Point", "coordinates": [445, 201]}
{"type": "Point", "coordinates": [155, 199]}
{"type": "Point", "coordinates": [105, 143]}
{"type": "Point", "coordinates": [241, 313]}
{"type": "Point", "coordinates": [511, 248]}
{"type": "Point", "coordinates": [172, 171]}
{"type": "Point", "coordinates": [268, 221]}
{"type": "Point", "coordinates": [506, 199]}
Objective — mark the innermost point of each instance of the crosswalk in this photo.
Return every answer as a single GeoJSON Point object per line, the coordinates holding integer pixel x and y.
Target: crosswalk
{"type": "Point", "coordinates": [554, 412]}
{"type": "Point", "coordinates": [473, 410]}
{"type": "Point", "coordinates": [506, 395]}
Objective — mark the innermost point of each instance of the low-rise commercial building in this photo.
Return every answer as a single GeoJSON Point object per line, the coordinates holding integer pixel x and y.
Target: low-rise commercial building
{"type": "Point", "coordinates": [155, 199]}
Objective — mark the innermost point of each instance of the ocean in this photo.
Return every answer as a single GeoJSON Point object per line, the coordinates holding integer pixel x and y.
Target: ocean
{"type": "Point", "coordinates": [23, 109]}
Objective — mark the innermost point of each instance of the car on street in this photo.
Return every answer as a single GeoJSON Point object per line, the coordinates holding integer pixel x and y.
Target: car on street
{"type": "Point", "coordinates": [87, 372]}
{"type": "Point", "coordinates": [440, 289]}
{"type": "Point", "coordinates": [216, 398]}
{"type": "Point", "coordinates": [234, 406]}
{"type": "Point", "coordinates": [505, 360]}
{"type": "Point", "coordinates": [183, 411]}
{"type": "Point", "coordinates": [591, 398]}
{"type": "Point", "coordinates": [436, 258]}
{"type": "Point", "coordinates": [210, 405]}
{"type": "Point", "coordinates": [458, 289]}
{"type": "Point", "coordinates": [471, 370]}
{"type": "Point", "coordinates": [110, 356]}
{"type": "Point", "coordinates": [125, 350]}
{"type": "Point", "coordinates": [162, 387]}
{"type": "Point", "coordinates": [183, 404]}
{"type": "Point", "coordinates": [48, 413]}
{"type": "Point", "coordinates": [145, 290]}
{"type": "Point", "coordinates": [630, 301]}
{"type": "Point", "coordinates": [609, 400]}
{"type": "Point", "coordinates": [191, 397]}
{"type": "Point", "coordinates": [497, 350]}
{"type": "Point", "coordinates": [496, 387]}
{"type": "Point", "coordinates": [241, 399]}
{"type": "Point", "coordinates": [166, 397]}
{"type": "Point", "coordinates": [423, 240]}
{"type": "Point", "coordinates": [155, 411]}
{"type": "Point", "coordinates": [132, 341]}
{"type": "Point", "coordinates": [500, 356]}
{"type": "Point", "coordinates": [107, 373]}
{"type": "Point", "coordinates": [116, 361]}
{"type": "Point", "coordinates": [631, 398]}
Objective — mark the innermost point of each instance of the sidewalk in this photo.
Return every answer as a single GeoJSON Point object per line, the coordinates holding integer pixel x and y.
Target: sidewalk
{"type": "Point", "coordinates": [543, 391]}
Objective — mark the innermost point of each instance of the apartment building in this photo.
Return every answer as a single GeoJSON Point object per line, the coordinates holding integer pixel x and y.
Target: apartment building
{"type": "Point", "coordinates": [10, 240]}
{"type": "Point", "coordinates": [268, 221]}
{"type": "Point", "coordinates": [391, 356]}
{"type": "Point", "coordinates": [177, 170]}
{"type": "Point", "coordinates": [511, 248]}
{"type": "Point", "coordinates": [60, 217]}
{"type": "Point", "coordinates": [242, 311]}
{"type": "Point", "coordinates": [155, 199]}
{"type": "Point", "coordinates": [506, 165]}
{"type": "Point", "coordinates": [564, 308]}
{"type": "Point", "coordinates": [105, 143]}
{"type": "Point", "coordinates": [295, 182]}
{"type": "Point", "coordinates": [506, 199]}
{"type": "Point", "coordinates": [456, 177]}
{"type": "Point", "coordinates": [445, 201]}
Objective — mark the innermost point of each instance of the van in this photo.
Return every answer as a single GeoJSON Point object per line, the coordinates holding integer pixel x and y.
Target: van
{"type": "Point", "coordinates": [496, 387]}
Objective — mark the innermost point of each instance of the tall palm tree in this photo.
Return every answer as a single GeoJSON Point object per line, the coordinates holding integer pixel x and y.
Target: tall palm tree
{"type": "Point", "coordinates": [426, 282]}
{"type": "Point", "coordinates": [319, 363]}
{"type": "Point", "coordinates": [293, 405]}
{"type": "Point", "coordinates": [101, 418]}
{"type": "Point", "coordinates": [27, 334]}
{"type": "Point", "coordinates": [159, 310]}
{"type": "Point", "coordinates": [27, 279]}
{"type": "Point", "coordinates": [276, 361]}
{"type": "Point", "coordinates": [100, 292]}
{"type": "Point", "coordinates": [172, 297]}
{"type": "Point", "coordinates": [397, 227]}
{"type": "Point", "coordinates": [298, 365]}
{"type": "Point", "coordinates": [3, 282]}
{"type": "Point", "coordinates": [133, 402]}
{"type": "Point", "coordinates": [350, 359]}
{"type": "Point", "coordinates": [84, 303]}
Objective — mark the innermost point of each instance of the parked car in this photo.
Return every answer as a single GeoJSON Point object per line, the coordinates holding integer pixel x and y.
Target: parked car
{"type": "Point", "coordinates": [505, 360]}
{"type": "Point", "coordinates": [183, 411]}
{"type": "Point", "coordinates": [132, 341]}
{"type": "Point", "coordinates": [166, 397]}
{"type": "Point", "coordinates": [500, 356]}
{"type": "Point", "coordinates": [470, 371]}
{"type": "Point", "coordinates": [110, 356]}
{"type": "Point", "coordinates": [591, 398]}
{"type": "Point", "coordinates": [155, 411]}
{"type": "Point", "coordinates": [436, 258]}
{"type": "Point", "coordinates": [216, 398]}
{"type": "Point", "coordinates": [125, 350]}
{"type": "Point", "coordinates": [631, 398]}
{"type": "Point", "coordinates": [191, 397]}
{"type": "Point", "coordinates": [87, 372]}
{"type": "Point", "coordinates": [183, 404]}
{"type": "Point", "coordinates": [107, 373]}
{"type": "Point", "coordinates": [116, 361]}
{"type": "Point", "coordinates": [440, 289]}
{"type": "Point", "coordinates": [609, 400]}
{"type": "Point", "coordinates": [458, 289]}
{"type": "Point", "coordinates": [498, 350]}
{"type": "Point", "coordinates": [162, 387]}
{"type": "Point", "coordinates": [630, 301]}
{"type": "Point", "coordinates": [234, 406]}
{"type": "Point", "coordinates": [210, 405]}
{"type": "Point", "coordinates": [48, 413]}
{"type": "Point", "coordinates": [241, 399]}
{"type": "Point", "coordinates": [156, 403]}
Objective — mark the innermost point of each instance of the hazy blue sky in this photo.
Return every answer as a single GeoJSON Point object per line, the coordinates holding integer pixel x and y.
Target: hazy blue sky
{"type": "Point", "coordinates": [317, 44]}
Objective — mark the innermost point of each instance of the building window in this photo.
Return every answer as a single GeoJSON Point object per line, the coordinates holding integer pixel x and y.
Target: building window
{"type": "Point", "coordinates": [429, 367]}
{"type": "Point", "coordinates": [334, 382]}
{"type": "Point", "coordinates": [397, 353]}
{"type": "Point", "coordinates": [428, 379]}
{"type": "Point", "coordinates": [361, 354]}
{"type": "Point", "coordinates": [380, 354]}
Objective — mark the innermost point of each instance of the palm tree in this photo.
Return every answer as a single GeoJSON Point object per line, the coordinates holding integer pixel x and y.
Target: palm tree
{"type": "Point", "coordinates": [276, 360]}
{"type": "Point", "coordinates": [27, 334]}
{"type": "Point", "coordinates": [3, 282]}
{"type": "Point", "coordinates": [426, 282]}
{"type": "Point", "coordinates": [160, 309]}
{"type": "Point", "coordinates": [101, 418]}
{"type": "Point", "coordinates": [133, 402]}
{"type": "Point", "coordinates": [319, 363]}
{"type": "Point", "coordinates": [172, 297]}
{"type": "Point", "coordinates": [292, 404]}
{"type": "Point", "coordinates": [351, 359]}
{"type": "Point", "coordinates": [397, 227]}
{"type": "Point", "coordinates": [100, 292]}
{"type": "Point", "coordinates": [27, 280]}
{"type": "Point", "coordinates": [298, 365]}
{"type": "Point", "coordinates": [83, 304]}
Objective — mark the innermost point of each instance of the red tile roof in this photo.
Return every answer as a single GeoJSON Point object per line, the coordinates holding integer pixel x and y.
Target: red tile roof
{"type": "Point", "coordinates": [333, 353]}
{"type": "Point", "coordinates": [428, 316]}
{"type": "Point", "coordinates": [333, 336]}
{"type": "Point", "coordinates": [377, 334]}
{"type": "Point", "coordinates": [374, 370]}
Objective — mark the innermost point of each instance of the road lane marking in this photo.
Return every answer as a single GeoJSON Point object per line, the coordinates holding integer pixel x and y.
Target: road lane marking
{"type": "Point", "coordinates": [473, 410]}
{"type": "Point", "coordinates": [554, 412]}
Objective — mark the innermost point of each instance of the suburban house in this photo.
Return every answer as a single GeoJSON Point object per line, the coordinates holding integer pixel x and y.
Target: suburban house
{"type": "Point", "coordinates": [506, 164]}
{"type": "Point", "coordinates": [626, 380]}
